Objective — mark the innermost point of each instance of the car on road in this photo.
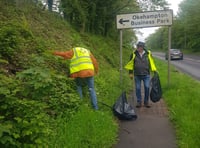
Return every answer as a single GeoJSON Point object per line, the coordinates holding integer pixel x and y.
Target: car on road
{"type": "Point", "coordinates": [175, 54]}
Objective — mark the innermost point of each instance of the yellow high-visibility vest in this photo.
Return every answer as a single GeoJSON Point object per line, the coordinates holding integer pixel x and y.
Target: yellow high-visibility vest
{"type": "Point", "coordinates": [81, 60]}
{"type": "Point", "coordinates": [130, 64]}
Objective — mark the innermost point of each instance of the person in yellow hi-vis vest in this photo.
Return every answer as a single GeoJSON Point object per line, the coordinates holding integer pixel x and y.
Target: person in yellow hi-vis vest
{"type": "Point", "coordinates": [83, 67]}
{"type": "Point", "coordinates": [140, 64]}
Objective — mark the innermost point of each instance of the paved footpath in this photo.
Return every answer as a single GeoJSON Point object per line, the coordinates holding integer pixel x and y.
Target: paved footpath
{"type": "Point", "coordinates": [152, 128]}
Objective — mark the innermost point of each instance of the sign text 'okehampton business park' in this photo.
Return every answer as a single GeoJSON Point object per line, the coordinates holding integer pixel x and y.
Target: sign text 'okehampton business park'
{"type": "Point", "coordinates": [145, 19]}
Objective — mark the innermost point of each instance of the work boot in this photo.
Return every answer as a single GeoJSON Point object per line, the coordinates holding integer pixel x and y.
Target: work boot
{"type": "Point", "coordinates": [139, 104]}
{"type": "Point", "coordinates": [147, 105]}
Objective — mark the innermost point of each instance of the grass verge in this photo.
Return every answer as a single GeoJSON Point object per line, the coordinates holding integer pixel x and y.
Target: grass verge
{"type": "Point", "coordinates": [182, 98]}
{"type": "Point", "coordinates": [88, 128]}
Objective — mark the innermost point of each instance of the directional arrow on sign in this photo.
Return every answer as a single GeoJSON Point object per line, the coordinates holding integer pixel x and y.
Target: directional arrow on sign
{"type": "Point", "coordinates": [121, 21]}
{"type": "Point", "coordinates": [145, 19]}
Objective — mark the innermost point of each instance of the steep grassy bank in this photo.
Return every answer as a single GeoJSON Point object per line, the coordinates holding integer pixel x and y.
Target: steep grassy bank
{"type": "Point", "coordinates": [39, 104]}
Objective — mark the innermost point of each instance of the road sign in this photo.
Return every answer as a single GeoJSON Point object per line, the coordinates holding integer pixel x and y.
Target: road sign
{"type": "Point", "coordinates": [145, 19]}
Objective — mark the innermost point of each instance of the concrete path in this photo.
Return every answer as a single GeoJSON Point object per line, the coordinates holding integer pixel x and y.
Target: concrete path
{"type": "Point", "coordinates": [152, 128]}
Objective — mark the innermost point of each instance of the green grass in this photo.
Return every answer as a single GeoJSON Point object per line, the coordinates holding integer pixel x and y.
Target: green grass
{"type": "Point", "coordinates": [73, 127]}
{"type": "Point", "coordinates": [182, 98]}
{"type": "Point", "coordinates": [88, 128]}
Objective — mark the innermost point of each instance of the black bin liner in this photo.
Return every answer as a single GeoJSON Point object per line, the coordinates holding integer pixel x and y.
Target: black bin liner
{"type": "Point", "coordinates": [156, 90]}
{"type": "Point", "coordinates": [123, 110]}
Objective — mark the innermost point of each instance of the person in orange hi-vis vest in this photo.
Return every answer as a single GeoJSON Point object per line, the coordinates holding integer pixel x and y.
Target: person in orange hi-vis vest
{"type": "Point", "coordinates": [83, 67]}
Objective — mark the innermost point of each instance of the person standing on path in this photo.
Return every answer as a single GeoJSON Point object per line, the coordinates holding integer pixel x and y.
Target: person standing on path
{"type": "Point", "coordinates": [83, 67]}
{"type": "Point", "coordinates": [140, 64]}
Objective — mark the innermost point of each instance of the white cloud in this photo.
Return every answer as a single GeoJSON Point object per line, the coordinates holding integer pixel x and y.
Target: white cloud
{"type": "Point", "coordinates": [174, 5]}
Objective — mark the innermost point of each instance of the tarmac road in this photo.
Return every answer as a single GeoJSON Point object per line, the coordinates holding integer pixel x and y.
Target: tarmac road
{"type": "Point", "coordinates": [189, 65]}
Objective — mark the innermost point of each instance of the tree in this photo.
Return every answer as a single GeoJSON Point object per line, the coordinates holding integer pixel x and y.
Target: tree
{"type": "Point", "coordinates": [50, 4]}
{"type": "Point", "coordinates": [189, 17]}
{"type": "Point", "coordinates": [152, 5]}
{"type": "Point", "coordinates": [99, 16]}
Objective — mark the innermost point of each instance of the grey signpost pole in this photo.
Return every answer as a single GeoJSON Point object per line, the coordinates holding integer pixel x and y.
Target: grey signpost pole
{"type": "Point", "coordinates": [121, 62]}
{"type": "Point", "coordinates": [169, 47]}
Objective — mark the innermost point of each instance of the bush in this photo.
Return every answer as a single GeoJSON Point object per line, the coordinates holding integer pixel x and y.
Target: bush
{"type": "Point", "coordinates": [31, 104]}
{"type": "Point", "coordinates": [11, 37]}
{"type": "Point", "coordinates": [23, 121]}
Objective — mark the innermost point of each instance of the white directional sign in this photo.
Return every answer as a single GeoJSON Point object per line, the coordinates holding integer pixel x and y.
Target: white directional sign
{"type": "Point", "coordinates": [145, 19]}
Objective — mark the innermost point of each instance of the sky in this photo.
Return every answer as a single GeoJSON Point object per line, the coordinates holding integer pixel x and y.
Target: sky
{"type": "Point", "coordinates": [147, 31]}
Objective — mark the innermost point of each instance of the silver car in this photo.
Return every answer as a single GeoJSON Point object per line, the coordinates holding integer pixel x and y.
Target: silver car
{"type": "Point", "coordinates": [175, 54]}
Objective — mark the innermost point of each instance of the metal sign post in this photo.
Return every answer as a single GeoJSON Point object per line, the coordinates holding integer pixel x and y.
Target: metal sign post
{"type": "Point", "coordinates": [169, 47]}
{"type": "Point", "coordinates": [121, 62]}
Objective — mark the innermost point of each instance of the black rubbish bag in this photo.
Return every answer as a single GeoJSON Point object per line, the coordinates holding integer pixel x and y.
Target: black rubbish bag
{"type": "Point", "coordinates": [123, 110]}
{"type": "Point", "coordinates": [156, 90]}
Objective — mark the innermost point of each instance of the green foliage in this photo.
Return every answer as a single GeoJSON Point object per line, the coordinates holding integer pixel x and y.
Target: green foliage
{"type": "Point", "coordinates": [95, 16]}
{"type": "Point", "coordinates": [15, 44]}
{"type": "Point", "coordinates": [23, 121]}
{"type": "Point", "coordinates": [153, 5]}
{"type": "Point", "coordinates": [44, 85]}
{"type": "Point", "coordinates": [9, 40]}
{"type": "Point", "coordinates": [38, 97]}
{"type": "Point", "coordinates": [189, 19]}
{"type": "Point", "coordinates": [182, 98]}
{"type": "Point", "coordinates": [87, 128]}
{"type": "Point", "coordinates": [39, 106]}
{"type": "Point", "coordinates": [160, 37]}
{"type": "Point", "coordinates": [31, 104]}
{"type": "Point", "coordinates": [184, 31]}
{"type": "Point", "coordinates": [109, 86]}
